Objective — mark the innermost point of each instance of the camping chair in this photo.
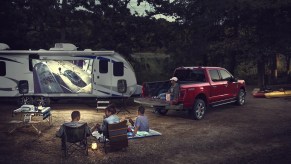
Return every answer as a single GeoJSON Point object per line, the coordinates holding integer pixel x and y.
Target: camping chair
{"type": "Point", "coordinates": [75, 138]}
{"type": "Point", "coordinates": [116, 136]}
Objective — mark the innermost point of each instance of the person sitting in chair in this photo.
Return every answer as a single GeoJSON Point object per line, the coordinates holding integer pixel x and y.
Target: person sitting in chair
{"type": "Point", "coordinates": [141, 123]}
{"type": "Point", "coordinates": [75, 115]}
{"type": "Point", "coordinates": [110, 117]}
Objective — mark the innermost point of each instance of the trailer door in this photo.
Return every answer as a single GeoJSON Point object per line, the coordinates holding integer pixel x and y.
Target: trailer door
{"type": "Point", "coordinates": [102, 73]}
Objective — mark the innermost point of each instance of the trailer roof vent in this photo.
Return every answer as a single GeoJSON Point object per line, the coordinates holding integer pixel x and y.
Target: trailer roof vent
{"type": "Point", "coordinates": [4, 46]}
{"type": "Point", "coordinates": [64, 47]}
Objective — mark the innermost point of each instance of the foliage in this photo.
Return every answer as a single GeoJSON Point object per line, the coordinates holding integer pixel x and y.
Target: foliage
{"type": "Point", "coordinates": [206, 32]}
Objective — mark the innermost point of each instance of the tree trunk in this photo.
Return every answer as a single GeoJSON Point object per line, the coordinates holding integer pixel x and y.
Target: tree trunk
{"type": "Point", "coordinates": [288, 64]}
{"type": "Point", "coordinates": [233, 63]}
{"type": "Point", "coordinates": [205, 60]}
{"type": "Point", "coordinates": [274, 71]}
{"type": "Point", "coordinates": [261, 73]}
{"type": "Point", "coordinates": [288, 58]}
{"type": "Point", "coordinates": [63, 21]}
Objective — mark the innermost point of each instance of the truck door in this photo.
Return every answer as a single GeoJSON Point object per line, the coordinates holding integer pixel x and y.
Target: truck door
{"type": "Point", "coordinates": [102, 73]}
{"type": "Point", "coordinates": [216, 86]}
{"type": "Point", "coordinates": [230, 90]}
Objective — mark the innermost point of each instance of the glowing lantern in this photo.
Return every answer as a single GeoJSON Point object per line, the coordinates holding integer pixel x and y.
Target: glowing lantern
{"type": "Point", "coordinates": [94, 146]}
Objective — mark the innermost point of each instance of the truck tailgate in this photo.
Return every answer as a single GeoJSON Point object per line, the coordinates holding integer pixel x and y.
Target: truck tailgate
{"type": "Point", "coordinates": [157, 103]}
{"type": "Point", "coordinates": [151, 102]}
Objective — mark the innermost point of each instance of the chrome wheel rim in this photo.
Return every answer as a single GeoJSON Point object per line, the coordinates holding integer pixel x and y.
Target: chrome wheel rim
{"type": "Point", "coordinates": [200, 110]}
{"type": "Point", "coordinates": [41, 101]}
{"type": "Point", "coordinates": [241, 97]}
{"type": "Point", "coordinates": [26, 100]}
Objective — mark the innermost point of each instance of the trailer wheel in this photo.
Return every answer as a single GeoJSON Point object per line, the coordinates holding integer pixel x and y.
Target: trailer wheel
{"type": "Point", "coordinates": [241, 97]}
{"type": "Point", "coordinates": [161, 110]}
{"type": "Point", "coordinates": [42, 101]}
{"type": "Point", "coordinates": [25, 100]}
{"type": "Point", "coordinates": [199, 108]}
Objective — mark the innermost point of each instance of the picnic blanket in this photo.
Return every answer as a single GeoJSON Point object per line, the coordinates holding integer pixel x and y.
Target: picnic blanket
{"type": "Point", "coordinates": [142, 134]}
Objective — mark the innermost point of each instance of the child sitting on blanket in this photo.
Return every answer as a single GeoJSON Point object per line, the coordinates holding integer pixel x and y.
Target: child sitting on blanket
{"type": "Point", "coordinates": [141, 123]}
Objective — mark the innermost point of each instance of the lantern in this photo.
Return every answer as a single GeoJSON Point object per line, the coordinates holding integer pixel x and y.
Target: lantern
{"type": "Point", "coordinates": [94, 146]}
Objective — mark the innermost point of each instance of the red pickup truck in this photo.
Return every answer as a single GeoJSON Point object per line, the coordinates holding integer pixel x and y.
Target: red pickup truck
{"type": "Point", "coordinates": [200, 88]}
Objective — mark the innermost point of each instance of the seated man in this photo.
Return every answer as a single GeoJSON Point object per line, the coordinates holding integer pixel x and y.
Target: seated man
{"type": "Point", "coordinates": [141, 123]}
{"type": "Point", "coordinates": [110, 117]}
{"type": "Point", "coordinates": [74, 123]}
{"type": "Point", "coordinates": [173, 91]}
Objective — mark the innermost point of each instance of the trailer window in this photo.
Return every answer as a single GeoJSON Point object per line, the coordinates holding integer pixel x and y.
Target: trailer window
{"type": "Point", "coordinates": [103, 66]}
{"type": "Point", "coordinates": [2, 68]}
{"type": "Point", "coordinates": [118, 69]}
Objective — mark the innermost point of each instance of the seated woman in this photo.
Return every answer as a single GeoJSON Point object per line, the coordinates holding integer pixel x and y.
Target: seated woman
{"type": "Point", "coordinates": [141, 123]}
{"type": "Point", "coordinates": [110, 117]}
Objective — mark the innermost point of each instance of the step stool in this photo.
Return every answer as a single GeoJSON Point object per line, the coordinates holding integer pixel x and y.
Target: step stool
{"type": "Point", "coordinates": [102, 104]}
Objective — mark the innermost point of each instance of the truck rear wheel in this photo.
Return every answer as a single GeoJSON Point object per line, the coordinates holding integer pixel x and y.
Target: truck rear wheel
{"type": "Point", "coordinates": [241, 97]}
{"type": "Point", "coordinates": [161, 110]}
{"type": "Point", "coordinates": [198, 110]}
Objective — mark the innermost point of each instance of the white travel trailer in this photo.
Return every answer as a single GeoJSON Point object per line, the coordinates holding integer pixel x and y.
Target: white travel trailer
{"type": "Point", "coordinates": [62, 71]}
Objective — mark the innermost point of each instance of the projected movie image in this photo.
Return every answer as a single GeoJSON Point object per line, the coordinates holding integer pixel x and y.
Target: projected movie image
{"type": "Point", "coordinates": [62, 76]}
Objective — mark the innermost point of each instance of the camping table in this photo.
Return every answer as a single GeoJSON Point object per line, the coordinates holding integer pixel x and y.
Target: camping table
{"type": "Point", "coordinates": [26, 118]}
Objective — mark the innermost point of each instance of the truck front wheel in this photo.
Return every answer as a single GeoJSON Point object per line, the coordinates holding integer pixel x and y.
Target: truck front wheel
{"type": "Point", "coordinates": [241, 97]}
{"type": "Point", "coordinates": [161, 110]}
{"type": "Point", "coordinates": [198, 110]}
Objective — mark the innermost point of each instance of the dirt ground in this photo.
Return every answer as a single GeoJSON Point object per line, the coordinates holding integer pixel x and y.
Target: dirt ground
{"type": "Point", "coordinates": [259, 132]}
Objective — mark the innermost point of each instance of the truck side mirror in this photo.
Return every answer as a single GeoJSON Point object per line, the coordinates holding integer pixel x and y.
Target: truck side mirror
{"type": "Point", "coordinates": [232, 79]}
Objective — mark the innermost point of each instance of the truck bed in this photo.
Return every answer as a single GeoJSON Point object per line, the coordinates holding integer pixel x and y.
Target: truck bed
{"type": "Point", "coordinates": [156, 88]}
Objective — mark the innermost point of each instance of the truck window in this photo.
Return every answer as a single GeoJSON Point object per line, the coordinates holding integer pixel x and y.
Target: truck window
{"type": "Point", "coordinates": [103, 66]}
{"type": "Point", "coordinates": [214, 75]}
{"type": "Point", "coordinates": [190, 75]}
{"type": "Point", "coordinates": [197, 75]}
{"type": "Point", "coordinates": [118, 69]}
{"type": "Point", "coordinates": [2, 68]}
{"type": "Point", "coordinates": [225, 75]}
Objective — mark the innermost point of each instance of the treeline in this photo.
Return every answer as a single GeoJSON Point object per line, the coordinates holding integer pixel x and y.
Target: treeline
{"type": "Point", "coordinates": [227, 33]}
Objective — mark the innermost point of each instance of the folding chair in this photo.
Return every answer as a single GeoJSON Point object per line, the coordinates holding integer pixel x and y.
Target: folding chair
{"type": "Point", "coordinates": [75, 138]}
{"type": "Point", "coordinates": [116, 136]}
